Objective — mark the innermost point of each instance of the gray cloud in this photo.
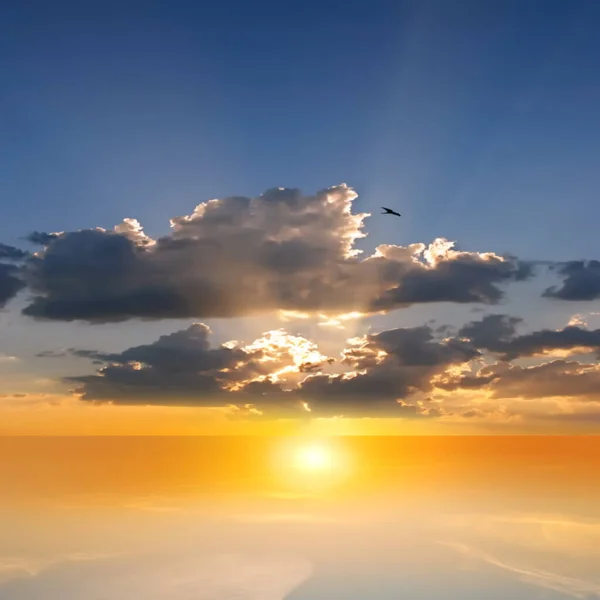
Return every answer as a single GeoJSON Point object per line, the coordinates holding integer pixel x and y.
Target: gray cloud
{"type": "Point", "coordinates": [555, 378]}
{"type": "Point", "coordinates": [180, 368]}
{"type": "Point", "coordinates": [41, 238]}
{"type": "Point", "coordinates": [497, 333]}
{"type": "Point", "coordinates": [466, 279]}
{"type": "Point", "coordinates": [581, 281]}
{"type": "Point", "coordinates": [491, 332]}
{"type": "Point", "coordinates": [12, 253]}
{"type": "Point", "coordinates": [10, 283]}
{"type": "Point", "coordinates": [237, 256]}
{"type": "Point", "coordinates": [386, 368]}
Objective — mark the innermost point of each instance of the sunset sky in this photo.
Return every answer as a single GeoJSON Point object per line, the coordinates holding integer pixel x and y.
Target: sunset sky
{"type": "Point", "coordinates": [225, 374]}
{"type": "Point", "coordinates": [191, 230]}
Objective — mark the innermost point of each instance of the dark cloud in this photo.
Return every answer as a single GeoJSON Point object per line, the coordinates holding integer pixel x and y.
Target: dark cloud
{"type": "Point", "coordinates": [581, 281]}
{"type": "Point", "coordinates": [386, 368]}
{"type": "Point", "coordinates": [41, 238]}
{"type": "Point", "coordinates": [465, 279]}
{"type": "Point", "coordinates": [183, 369]}
{"type": "Point", "coordinates": [308, 367]}
{"type": "Point", "coordinates": [491, 332]}
{"type": "Point", "coordinates": [12, 253]}
{"type": "Point", "coordinates": [556, 378]}
{"type": "Point", "coordinates": [91, 354]}
{"type": "Point", "coordinates": [237, 256]}
{"type": "Point", "coordinates": [497, 333]}
{"type": "Point", "coordinates": [177, 368]}
{"type": "Point", "coordinates": [10, 283]}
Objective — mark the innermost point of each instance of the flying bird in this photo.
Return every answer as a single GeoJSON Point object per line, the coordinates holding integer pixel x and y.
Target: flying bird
{"type": "Point", "coordinates": [389, 211]}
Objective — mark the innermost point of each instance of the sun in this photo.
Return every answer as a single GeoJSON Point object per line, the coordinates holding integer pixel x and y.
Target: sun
{"type": "Point", "coordinates": [315, 464]}
{"type": "Point", "coordinates": [314, 457]}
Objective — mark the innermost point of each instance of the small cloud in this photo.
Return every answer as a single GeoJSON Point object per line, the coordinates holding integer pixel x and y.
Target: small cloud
{"type": "Point", "coordinates": [577, 321]}
{"type": "Point", "coordinates": [581, 281]}
{"type": "Point", "coordinates": [6, 358]}
{"type": "Point", "coordinates": [292, 315]}
{"type": "Point", "coordinates": [337, 321]}
{"type": "Point", "coordinates": [41, 238]}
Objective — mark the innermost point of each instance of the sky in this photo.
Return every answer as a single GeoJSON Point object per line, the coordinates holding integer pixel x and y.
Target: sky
{"type": "Point", "coordinates": [191, 230]}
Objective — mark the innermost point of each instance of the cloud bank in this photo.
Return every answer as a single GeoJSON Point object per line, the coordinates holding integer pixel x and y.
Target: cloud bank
{"type": "Point", "coordinates": [239, 256]}
{"type": "Point", "coordinates": [292, 253]}
{"type": "Point", "coordinates": [405, 372]}
{"type": "Point", "coordinates": [277, 374]}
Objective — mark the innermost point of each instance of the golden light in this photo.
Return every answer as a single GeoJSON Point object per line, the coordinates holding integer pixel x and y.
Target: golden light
{"type": "Point", "coordinates": [302, 464]}
{"type": "Point", "coordinates": [314, 458]}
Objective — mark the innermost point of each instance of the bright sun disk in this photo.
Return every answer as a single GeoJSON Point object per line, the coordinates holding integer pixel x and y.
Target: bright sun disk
{"type": "Point", "coordinates": [313, 458]}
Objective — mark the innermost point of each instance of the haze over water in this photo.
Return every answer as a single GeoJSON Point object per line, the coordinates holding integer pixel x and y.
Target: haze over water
{"type": "Point", "coordinates": [244, 517]}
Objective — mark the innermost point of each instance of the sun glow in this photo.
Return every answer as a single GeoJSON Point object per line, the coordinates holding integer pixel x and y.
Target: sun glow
{"type": "Point", "coordinates": [312, 464]}
{"type": "Point", "coordinates": [314, 458]}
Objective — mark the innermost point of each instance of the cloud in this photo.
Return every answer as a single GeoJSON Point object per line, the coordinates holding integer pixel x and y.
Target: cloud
{"type": "Point", "coordinates": [238, 256]}
{"type": "Point", "coordinates": [278, 374]}
{"type": "Point", "coordinates": [552, 379]}
{"type": "Point", "coordinates": [183, 369]}
{"type": "Point", "coordinates": [10, 283]}
{"type": "Point", "coordinates": [490, 332]}
{"type": "Point", "coordinates": [461, 277]}
{"type": "Point", "coordinates": [396, 373]}
{"type": "Point", "coordinates": [41, 238]}
{"type": "Point", "coordinates": [12, 253]}
{"type": "Point", "coordinates": [581, 281]}
{"type": "Point", "coordinates": [497, 333]}
{"type": "Point", "coordinates": [386, 369]}
{"type": "Point", "coordinates": [589, 414]}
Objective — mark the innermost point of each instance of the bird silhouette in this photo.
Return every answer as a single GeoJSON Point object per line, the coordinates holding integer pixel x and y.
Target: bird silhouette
{"type": "Point", "coordinates": [389, 211]}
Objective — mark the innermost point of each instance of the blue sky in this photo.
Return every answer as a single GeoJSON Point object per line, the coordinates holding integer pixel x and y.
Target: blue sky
{"type": "Point", "coordinates": [478, 120]}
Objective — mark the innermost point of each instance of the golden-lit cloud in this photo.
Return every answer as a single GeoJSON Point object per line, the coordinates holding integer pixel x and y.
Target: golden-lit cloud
{"type": "Point", "coordinates": [413, 372]}
{"type": "Point", "coordinates": [278, 374]}
{"type": "Point", "coordinates": [281, 251]}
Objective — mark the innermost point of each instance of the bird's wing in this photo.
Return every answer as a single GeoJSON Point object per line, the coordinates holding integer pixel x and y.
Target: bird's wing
{"type": "Point", "coordinates": [389, 211]}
